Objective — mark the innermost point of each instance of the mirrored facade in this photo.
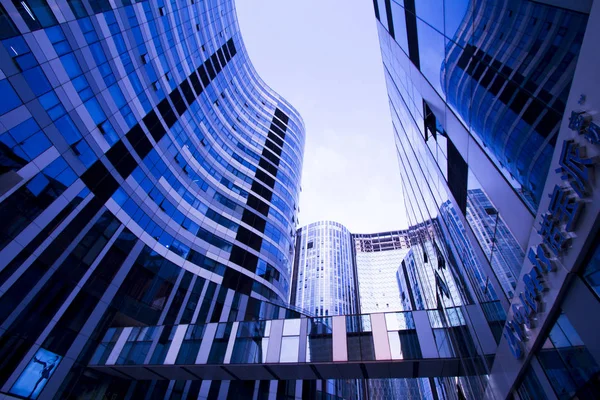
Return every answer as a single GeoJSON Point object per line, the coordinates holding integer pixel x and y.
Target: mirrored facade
{"type": "Point", "coordinates": [324, 280]}
{"type": "Point", "coordinates": [148, 176]}
{"type": "Point", "coordinates": [487, 100]}
{"type": "Point", "coordinates": [378, 257]}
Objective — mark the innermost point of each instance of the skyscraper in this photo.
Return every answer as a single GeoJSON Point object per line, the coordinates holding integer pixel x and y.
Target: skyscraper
{"type": "Point", "coordinates": [324, 283]}
{"type": "Point", "coordinates": [324, 280]}
{"type": "Point", "coordinates": [149, 177]}
{"type": "Point", "coordinates": [378, 257]}
{"type": "Point", "coordinates": [494, 109]}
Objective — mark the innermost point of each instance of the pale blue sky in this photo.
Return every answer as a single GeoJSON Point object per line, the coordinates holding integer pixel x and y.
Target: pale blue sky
{"type": "Point", "coordinates": [323, 56]}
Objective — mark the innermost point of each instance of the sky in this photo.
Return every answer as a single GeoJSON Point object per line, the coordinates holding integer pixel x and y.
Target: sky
{"type": "Point", "coordinates": [323, 57]}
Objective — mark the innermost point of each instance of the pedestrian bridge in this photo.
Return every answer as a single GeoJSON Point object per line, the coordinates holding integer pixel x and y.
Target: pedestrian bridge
{"type": "Point", "coordinates": [385, 345]}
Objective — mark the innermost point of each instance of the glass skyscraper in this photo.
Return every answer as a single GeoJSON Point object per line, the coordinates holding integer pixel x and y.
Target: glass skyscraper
{"type": "Point", "coordinates": [148, 177]}
{"type": "Point", "coordinates": [494, 108]}
{"type": "Point", "coordinates": [149, 183]}
{"type": "Point", "coordinates": [324, 279]}
{"type": "Point", "coordinates": [378, 257]}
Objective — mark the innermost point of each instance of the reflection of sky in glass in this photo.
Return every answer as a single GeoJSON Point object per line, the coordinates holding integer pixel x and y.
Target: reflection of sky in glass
{"type": "Point", "coordinates": [432, 12]}
{"type": "Point", "coordinates": [431, 54]}
{"type": "Point", "coordinates": [454, 13]}
{"type": "Point", "coordinates": [36, 374]}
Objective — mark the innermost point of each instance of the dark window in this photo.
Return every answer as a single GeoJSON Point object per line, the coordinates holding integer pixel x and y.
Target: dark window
{"type": "Point", "coordinates": [139, 141]}
{"type": "Point", "coordinates": [186, 89]}
{"type": "Point", "coordinates": [178, 102]}
{"type": "Point", "coordinates": [157, 130]}
{"type": "Point", "coordinates": [458, 171]}
{"type": "Point", "coordinates": [167, 113]}
{"type": "Point", "coordinates": [7, 27]}
{"type": "Point", "coordinates": [120, 157]}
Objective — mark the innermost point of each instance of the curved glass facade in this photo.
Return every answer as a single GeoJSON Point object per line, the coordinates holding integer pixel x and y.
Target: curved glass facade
{"type": "Point", "coordinates": [510, 84]}
{"type": "Point", "coordinates": [325, 274]}
{"type": "Point", "coordinates": [487, 97]}
{"type": "Point", "coordinates": [148, 176]}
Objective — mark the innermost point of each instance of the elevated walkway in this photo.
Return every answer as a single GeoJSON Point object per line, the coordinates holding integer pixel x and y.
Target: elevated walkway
{"type": "Point", "coordinates": [390, 345]}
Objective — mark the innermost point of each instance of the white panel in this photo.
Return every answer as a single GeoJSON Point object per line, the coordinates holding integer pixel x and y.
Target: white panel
{"type": "Point", "coordinates": [340, 345]}
{"type": "Point", "coordinates": [207, 341]}
{"type": "Point", "coordinates": [380, 337]}
{"type": "Point", "coordinates": [231, 342]}
{"type": "Point", "coordinates": [275, 341]}
{"type": "Point", "coordinates": [175, 344]}
{"type": "Point", "coordinates": [114, 354]}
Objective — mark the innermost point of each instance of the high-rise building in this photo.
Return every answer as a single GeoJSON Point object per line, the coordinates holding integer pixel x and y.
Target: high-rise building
{"type": "Point", "coordinates": [324, 283]}
{"type": "Point", "coordinates": [378, 257]}
{"type": "Point", "coordinates": [494, 107]}
{"type": "Point", "coordinates": [149, 177]}
{"type": "Point", "coordinates": [324, 278]}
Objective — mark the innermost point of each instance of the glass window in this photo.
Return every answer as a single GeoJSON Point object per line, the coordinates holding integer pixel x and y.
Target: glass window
{"type": "Point", "coordinates": [289, 349]}
{"type": "Point", "coordinates": [432, 12]}
{"type": "Point", "coordinates": [399, 20]}
{"type": "Point", "coordinates": [431, 55]}
{"type": "Point", "coordinates": [568, 363]}
{"type": "Point", "coordinates": [455, 13]}
{"type": "Point", "coordinates": [37, 81]}
{"type": "Point", "coordinates": [7, 27]}
{"type": "Point", "coordinates": [35, 13]}
{"type": "Point", "coordinates": [9, 99]}
{"type": "Point", "coordinates": [591, 273]}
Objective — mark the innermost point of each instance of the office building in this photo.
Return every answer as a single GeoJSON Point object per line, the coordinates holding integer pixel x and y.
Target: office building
{"type": "Point", "coordinates": [378, 257]}
{"type": "Point", "coordinates": [324, 278]}
{"type": "Point", "coordinates": [494, 107]}
{"type": "Point", "coordinates": [149, 177]}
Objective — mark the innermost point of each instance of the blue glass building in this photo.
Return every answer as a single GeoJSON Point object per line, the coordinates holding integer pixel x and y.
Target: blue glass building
{"type": "Point", "coordinates": [148, 177]}
{"type": "Point", "coordinates": [494, 106]}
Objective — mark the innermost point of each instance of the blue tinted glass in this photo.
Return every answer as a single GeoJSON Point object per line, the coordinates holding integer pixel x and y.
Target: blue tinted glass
{"type": "Point", "coordinates": [55, 168]}
{"type": "Point", "coordinates": [42, 11]}
{"type": "Point", "coordinates": [71, 65]}
{"type": "Point", "coordinates": [55, 34]}
{"type": "Point", "coordinates": [26, 61]}
{"type": "Point", "coordinates": [86, 154]}
{"type": "Point", "coordinates": [120, 196]}
{"type": "Point", "coordinates": [67, 129]}
{"type": "Point", "coordinates": [7, 140]}
{"type": "Point", "coordinates": [16, 46]}
{"type": "Point", "coordinates": [98, 53]}
{"type": "Point", "coordinates": [37, 81]}
{"type": "Point", "coordinates": [117, 95]}
{"type": "Point", "coordinates": [48, 100]}
{"type": "Point", "coordinates": [432, 12]}
{"type": "Point", "coordinates": [454, 14]}
{"type": "Point", "coordinates": [399, 20]}
{"type": "Point", "coordinates": [67, 177]}
{"type": "Point", "coordinates": [432, 54]}
{"type": "Point", "coordinates": [62, 47]}
{"type": "Point", "coordinates": [592, 271]}
{"type": "Point", "coordinates": [9, 98]}
{"type": "Point", "coordinates": [95, 110]}
{"type": "Point", "coordinates": [24, 130]}
{"type": "Point", "coordinates": [37, 184]}
{"type": "Point", "coordinates": [36, 145]}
